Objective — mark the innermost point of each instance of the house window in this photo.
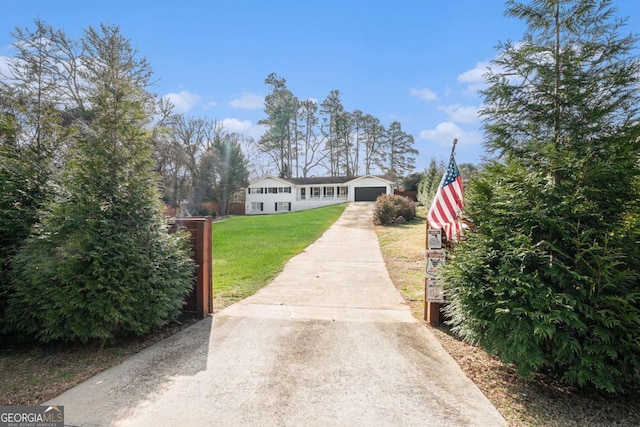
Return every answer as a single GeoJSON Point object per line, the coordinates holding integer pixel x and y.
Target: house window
{"type": "Point", "coordinates": [272, 190]}
{"type": "Point", "coordinates": [284, 189]}
{"type": "Point", "coordinates": [343, 191]}
{"type": "Point", "coordinates": [315, 192]}
{"type": "Point", "coordinates": [328, 191]}
{"type": "Point", "coordinates": [303, 193]}
{"type": "Point", "coordinates": [257, 206]}
{"type": "Point", "coordinates": [253, 190]}
{"type": "Point", "coordinates": [283, 206]}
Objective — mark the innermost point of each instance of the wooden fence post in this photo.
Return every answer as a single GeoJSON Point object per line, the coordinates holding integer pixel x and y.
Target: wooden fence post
{"type": "Point", "coordinates": [200, 300]}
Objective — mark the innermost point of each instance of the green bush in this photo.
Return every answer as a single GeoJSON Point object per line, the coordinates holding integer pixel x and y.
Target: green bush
{"type": "Point", "coordinates": [390, 207]}
{"type": "Point", "coordinates": [203, 210]}
{"type": "Point", "coordinates": [405, 207]}
{"type": "Point", "coordinates": [543, 284]}
{"type": "Point", "coordinates": [27, 173]}
{"type": "Point", "coordinates": [101, 281]}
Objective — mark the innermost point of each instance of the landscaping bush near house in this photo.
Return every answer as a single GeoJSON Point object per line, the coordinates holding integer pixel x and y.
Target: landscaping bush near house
{"type": "Point", "coordinates": [391, 207]}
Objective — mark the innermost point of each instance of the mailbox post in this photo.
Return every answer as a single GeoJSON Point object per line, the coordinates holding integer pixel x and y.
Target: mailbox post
{"type": "Point", "coordinates": [435, 258]}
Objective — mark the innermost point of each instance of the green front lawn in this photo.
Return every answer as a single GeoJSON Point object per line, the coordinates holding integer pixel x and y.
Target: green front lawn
{"type": "Point", "coordinates": [249, 251]}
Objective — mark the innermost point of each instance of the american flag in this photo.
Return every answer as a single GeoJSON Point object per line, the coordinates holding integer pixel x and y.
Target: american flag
{"type": "Point", "coordinates": [447, 205]}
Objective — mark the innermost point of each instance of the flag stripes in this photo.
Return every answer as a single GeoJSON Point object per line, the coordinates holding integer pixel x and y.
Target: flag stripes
{"type": "Point", "coordinates": [447, 204]}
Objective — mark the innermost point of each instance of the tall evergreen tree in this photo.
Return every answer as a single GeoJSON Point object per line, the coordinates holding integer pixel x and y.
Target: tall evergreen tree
{"type": "Point", "coordinates": [280, 139]}
{"type": "Point", "coordinates": [550, 281]}
{"type": "Point", "coordinates": [357, 122]}
{"type": "Point", "coordinates": [430, 182]}
{"type": "Point", "coordinates": [373, 135]}
{"type": "Point", "coordinates": [229, 168]}
{"type": "Point", "coordinates": [344, 144]}
{"type": "Point", "coordinates": [399, 153]}
{"type": "Point", "coordinates": [101, 262]}
{"type": "Point", "coordinates": [332, 109]}
{"type": "Point", "coordinates": [34, 131]}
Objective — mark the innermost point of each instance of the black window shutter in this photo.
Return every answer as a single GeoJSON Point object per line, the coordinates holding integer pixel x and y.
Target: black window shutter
{"type": "Point", "coordinates": [289, 206]}
{"type": "Point", "coordinates": [261, 206]}
{"type": "Point", "coordinates": [276, 206]}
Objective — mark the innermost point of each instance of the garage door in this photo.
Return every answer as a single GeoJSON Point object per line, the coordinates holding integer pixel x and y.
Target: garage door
{"type": "Point", "coordinates": [369, 194]}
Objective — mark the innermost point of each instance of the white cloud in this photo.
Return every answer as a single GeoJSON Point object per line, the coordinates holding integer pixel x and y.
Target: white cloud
{"type": "Point", "coordinates": [244, 127]}
{"type": "Point", "coordinates": [4, 66]}
{"type": "Point", "coordinates": [183, 101]}
{"type": "Point", "coordinates": [474, 78]}
{"type": "Point", "coordinates": [423, 94]}
{"type": "Point", "coordinates": [247, 101]}
{"type": "Point", "coordinates": [475, 75]}
{"type": "Point", "coordinates": [445, 132]}
{"type": "Point", "coordinates": [461, 114]}
{"type": "Point", "coordinates": [209, 105]}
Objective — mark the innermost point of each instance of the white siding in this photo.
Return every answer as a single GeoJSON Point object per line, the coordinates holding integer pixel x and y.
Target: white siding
{"type": "Point", "coordinates": [264, 193]}
{"type": "Point", "coordinates": [269, 197]}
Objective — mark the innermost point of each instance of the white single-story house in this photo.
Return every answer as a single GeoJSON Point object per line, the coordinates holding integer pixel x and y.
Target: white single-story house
{"type": "Point", "coordinates": [270, 194]}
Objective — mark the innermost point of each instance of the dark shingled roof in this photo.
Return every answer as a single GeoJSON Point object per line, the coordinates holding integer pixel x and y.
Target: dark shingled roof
{"type": "Point", "coordinates": [321, 180]}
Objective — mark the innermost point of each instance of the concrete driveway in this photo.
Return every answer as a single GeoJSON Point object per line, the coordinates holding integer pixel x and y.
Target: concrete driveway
{"type": "Point", "coordinates": [330, 342]}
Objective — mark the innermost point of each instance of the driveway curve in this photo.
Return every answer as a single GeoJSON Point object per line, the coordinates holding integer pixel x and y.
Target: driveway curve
{"type": "Point", "coordinates": [330, 342]}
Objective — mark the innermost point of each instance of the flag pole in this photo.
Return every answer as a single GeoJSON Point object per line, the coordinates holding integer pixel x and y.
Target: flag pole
{"type": "Point", "coordinates": [432, 309]}
{"type": "Point", "coordinates": [453, 152]}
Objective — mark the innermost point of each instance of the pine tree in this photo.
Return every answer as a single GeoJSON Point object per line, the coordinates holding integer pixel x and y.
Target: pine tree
{"type": "Point", "coordinates": [550, 280]}
{"type": "Point", "coordinates": [228, 167]}
{"type": "Point", "coordinates": [332, 110]}
{"type": "Point", "coordinates": [280, 139]}
{"type": "Point", "coordinates": [33, 135]}
{"type": "Point", "coordinates": [101, 262]}
{"type": "Point", "coordinates": [373, 136]}
{"type": "Point", "coordinates": [399, 151]}
{"type": "Point", "coordinates": [430, 182]}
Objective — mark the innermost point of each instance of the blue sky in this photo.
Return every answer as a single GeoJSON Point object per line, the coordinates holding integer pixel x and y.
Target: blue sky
{"type": "Point", "coordinates": [417, 62]}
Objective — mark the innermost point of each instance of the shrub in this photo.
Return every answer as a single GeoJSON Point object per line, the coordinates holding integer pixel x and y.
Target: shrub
{"type": "Point", "coordinates": [405, 207]}
{"type": "Point", "coordinates": [543, 286]}
{"type": "Point", "coordinates": [203, 210]}
{"type": "Point", "coordinates": [390, 207]}
{"type": "Point", "coordinates": [98, 283]}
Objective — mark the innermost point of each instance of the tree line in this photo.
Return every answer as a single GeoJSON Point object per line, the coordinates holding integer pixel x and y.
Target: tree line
{"type": "Point", "coordinates": [198, 161]}
{"type": "Point", "coordinates": [303, 138]}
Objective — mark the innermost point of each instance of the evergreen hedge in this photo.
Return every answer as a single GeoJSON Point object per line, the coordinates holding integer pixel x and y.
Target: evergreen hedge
{"type": "Point", "coordinates": [545, 284]}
